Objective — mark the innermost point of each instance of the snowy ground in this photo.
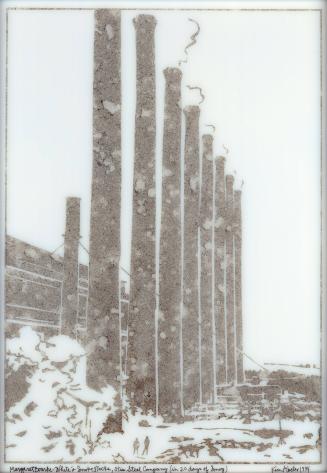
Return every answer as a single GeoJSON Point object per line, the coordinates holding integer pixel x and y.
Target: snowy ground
{"type": "Point", "coordinates": [306, 370]}
{"type": "Point", "coordinates": [215, 441]}
{"type": "Point", "coordinates": [58, 419]}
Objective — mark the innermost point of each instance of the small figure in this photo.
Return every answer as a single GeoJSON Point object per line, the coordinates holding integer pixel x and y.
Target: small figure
{"type": "Point", "coordinates": [136, 446]}
{"type": "Point", "coordinates": [146, 446]}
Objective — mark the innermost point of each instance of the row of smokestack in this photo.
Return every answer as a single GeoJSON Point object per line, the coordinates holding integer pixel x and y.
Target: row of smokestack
{"type": "Point", "coordinates": [179, 350]}
{"type": "Point", "coordinates": [177, 358]}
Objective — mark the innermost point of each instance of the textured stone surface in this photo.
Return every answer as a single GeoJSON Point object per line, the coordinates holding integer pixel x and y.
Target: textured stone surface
{"type": "Point", "coordinates": [69, 309]}
{"type": "Point", "coordinates": [220, 224]}
{"type": "Point", "coordinates": [191, 382]}
{"type": "Point", "coordinates": [124, 311]}
{"type": "Point", "coordinates": [206, 209]}
{"type": "Point", "coordinates": [141, 386]}
{"type": "Point", "coordinates": [230, 293]}
{"type": "Point", "coordinates": [103, 308]}
{"type": "Point", "coordinates": [170, 252]}
{"type": "Point", "coordinates": [238, 284]}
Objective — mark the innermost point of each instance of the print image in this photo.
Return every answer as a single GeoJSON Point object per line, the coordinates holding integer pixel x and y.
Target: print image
{"type": "Point", "coordinates": [162, 299]}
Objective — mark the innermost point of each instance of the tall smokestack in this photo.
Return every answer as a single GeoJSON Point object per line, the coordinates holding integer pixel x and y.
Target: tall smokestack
{"type": "Point", "coordinates": [206, 212]}
{"type": "Point", "coordinates": [230, 314]}
{"type": "Point", "coordinates": [238, 284]}
{"type": "Point", "coordinates": [69, 310]}
{"type": "Point", "coordinates": [103, 305]}
{"type": "Point", "coordinates": [141, 385]}
{"type": "Point", "coordinates": [170, 252]}
{"type": "Point", "coordinates": [191, 360]}
{"type": "Point", "coordinates": [220, 292]}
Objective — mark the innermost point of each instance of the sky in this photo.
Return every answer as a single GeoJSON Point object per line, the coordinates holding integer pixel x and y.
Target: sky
{"type": "Point", "coordinates": [260, 73]}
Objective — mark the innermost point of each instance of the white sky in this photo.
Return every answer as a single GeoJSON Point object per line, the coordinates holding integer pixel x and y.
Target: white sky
{"type": "Point", "coordinates": [260, 74]}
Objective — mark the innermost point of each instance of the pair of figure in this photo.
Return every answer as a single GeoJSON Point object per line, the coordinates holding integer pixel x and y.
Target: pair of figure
{"type": "Point", "coordinates": [136, 446]}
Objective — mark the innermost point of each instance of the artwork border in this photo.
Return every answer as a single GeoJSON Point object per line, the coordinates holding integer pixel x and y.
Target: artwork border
{"type": "Point", "coordinates": [323, 220]}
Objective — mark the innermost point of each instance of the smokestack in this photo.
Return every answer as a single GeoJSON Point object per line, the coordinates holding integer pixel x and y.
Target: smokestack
{"type": "Point", "coordinates": [230, 314]}
{"type": "Point", "coordinates": [220, 293]}
{"type": "Point", "coordinates": [206, 212]}
{"type": "Point", "coordinates": [191, 356]}
{"type": "Point", "coordinates": [103, 304]}
{"type": "Point", "coordinates": [69, 310]}
{"type": "Point", "coordinates": [141, 385]}
{"type": "Point", "coordinates": [238, 284]}
{"type": "Point", "coordinates": [169, 364]}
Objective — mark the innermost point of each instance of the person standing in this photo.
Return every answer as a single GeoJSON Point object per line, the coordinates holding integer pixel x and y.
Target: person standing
{"type": "Point", "coordinates": [146, 446]}
{"type": "Point", "coordinates": [136, 446]}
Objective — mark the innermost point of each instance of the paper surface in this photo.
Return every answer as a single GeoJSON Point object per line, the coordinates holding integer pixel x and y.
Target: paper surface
{"type": "Point", "coordinates": [162, 269]}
